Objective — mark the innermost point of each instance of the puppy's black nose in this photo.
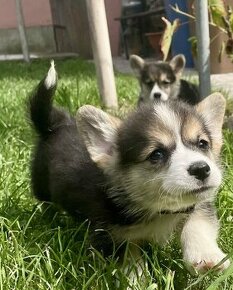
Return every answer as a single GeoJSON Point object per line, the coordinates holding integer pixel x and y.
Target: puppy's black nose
{"type": "Point", "coordinates": [157, 95]}
{"type": "Point", "coordinates": [200, 170]}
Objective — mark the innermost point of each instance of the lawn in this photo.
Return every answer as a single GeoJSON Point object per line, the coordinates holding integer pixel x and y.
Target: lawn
{"type": "Point", "coordinates": [40, 249]}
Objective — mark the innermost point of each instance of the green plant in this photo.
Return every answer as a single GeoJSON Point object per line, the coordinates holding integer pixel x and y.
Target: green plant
{"type": "Point", "coordinates": [166, 39]}
{"type": "Point", "coordinates": [220, 16]}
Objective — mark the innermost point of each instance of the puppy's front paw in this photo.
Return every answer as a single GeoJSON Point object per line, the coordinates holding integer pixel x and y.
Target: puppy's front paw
{"type": "Point", "coordinates": [203, 262]}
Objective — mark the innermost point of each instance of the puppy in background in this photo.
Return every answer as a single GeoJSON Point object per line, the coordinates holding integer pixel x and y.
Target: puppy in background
{"type": "Point", "coordinates": [137, 180]}
{"type": "Point", "coordinates": [161, 80]}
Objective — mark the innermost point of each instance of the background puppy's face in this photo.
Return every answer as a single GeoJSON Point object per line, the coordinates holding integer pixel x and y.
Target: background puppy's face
{"type": "Point", "coordinates": [164, 156]}
{"type": "Point", "coordinates": [158, 80]}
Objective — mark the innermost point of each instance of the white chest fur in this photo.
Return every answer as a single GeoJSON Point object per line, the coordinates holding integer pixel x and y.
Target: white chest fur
{"type": "Point", "coordinates": [158, 230]}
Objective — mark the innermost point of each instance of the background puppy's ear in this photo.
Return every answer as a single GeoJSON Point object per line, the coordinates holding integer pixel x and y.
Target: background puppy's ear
{"type": "Point", "coordinates": [212, 109]}
{"type": "Point", "coordinates": [99, 133]}
{"type": "Point", "coordinates": [178, 64]}
{"type": "Point", "coordinates": [137, 64]}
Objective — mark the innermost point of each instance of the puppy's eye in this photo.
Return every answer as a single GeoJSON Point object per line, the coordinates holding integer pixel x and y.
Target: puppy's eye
{"type": "Point", "coordinates": [203, 145]}
{"type": "Point", "coordinates": [157, 155]}
{"type": "Point", "coordinates": [165, 82]}
{"type": "Point", "coordinates": [149, 83]}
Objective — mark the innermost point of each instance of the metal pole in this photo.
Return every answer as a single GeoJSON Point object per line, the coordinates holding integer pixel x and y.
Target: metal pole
{"type": "Point", "coordinates": [203, 46]}
{"type": "Point", "coordinates": [102, 52]}
{"type": "Point", "coordinates": [22, 32]}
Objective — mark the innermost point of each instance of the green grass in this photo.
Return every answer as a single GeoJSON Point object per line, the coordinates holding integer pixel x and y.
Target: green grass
{"type": "Point", "coordinates": [40, 250]}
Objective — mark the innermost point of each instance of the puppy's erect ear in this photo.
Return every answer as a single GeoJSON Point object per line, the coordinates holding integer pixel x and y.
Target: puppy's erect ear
{"type": "Point", "coordinates": [178, 64]}
{"type": "Point", "coordinates": [99, 133]}
{"type": "Point", "coordinates": [137, 64]}
{"type": "Point", "coordinates": [212, 109]}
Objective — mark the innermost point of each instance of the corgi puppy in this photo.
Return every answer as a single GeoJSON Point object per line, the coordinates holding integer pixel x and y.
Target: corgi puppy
{"type": "Point", "coordinates": [137, 180]}
{"type": "Point", "coordinates": [162, 80]}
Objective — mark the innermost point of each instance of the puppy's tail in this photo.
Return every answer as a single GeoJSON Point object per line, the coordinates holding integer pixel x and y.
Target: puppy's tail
{"type": "Point", "coordinates": [40, 102]}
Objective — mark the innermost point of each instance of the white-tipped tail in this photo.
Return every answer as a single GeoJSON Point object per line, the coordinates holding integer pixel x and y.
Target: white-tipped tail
{"type": "Point", "coordinates": [51, 79]}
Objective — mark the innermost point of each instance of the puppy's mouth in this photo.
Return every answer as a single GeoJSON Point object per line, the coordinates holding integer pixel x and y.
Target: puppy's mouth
{"type": "Point", "coordinates": [200, 189]}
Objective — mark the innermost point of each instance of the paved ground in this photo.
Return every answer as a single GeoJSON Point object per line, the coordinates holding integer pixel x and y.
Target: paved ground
{"type": "Point", "coordinates": [223, 81]}
{"type": "Point", "coordinates": [4, 57]}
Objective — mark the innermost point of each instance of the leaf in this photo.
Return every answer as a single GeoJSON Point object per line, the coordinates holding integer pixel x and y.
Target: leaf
{"type": "Point", "coordinates": [231, 20]}
{"type": "Point", "coordinates": [193, 41]}
{"type": "Point", "coordinates": [218, 6]}
{"type": "Point", "coordinates": [221, 51]}
{"type": "Point", "coordinates": [218, 11]}
{"type": "Point", "coordinates": [167, 35]}
{"type": "Point", "coordinates": [152, 287]}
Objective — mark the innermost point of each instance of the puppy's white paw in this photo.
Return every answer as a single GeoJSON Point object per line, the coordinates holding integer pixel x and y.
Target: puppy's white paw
{"type": "Point", "coordinates": [205, 261]}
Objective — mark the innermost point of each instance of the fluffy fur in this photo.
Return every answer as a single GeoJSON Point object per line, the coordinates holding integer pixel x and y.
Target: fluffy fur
{"type": "Point", "coordinates": [139, 179]}
{"type": "Point", "coordinates": [162, 80]}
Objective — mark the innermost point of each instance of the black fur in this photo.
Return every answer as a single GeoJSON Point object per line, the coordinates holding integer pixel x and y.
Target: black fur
{"type": "Point", "coordinates": [189, 92]}
{"type": "Point", "coordinates": [62, 171]}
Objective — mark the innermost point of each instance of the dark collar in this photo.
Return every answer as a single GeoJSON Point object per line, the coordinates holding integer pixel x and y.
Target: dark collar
{"type": "Point", "coordinates": [119, 213]}
{"type": "Point", "coordinates": [186, 210]}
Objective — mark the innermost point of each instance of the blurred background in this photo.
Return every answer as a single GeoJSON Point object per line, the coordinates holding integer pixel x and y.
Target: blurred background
{"type": "Point", "coordinates": [61, 26]}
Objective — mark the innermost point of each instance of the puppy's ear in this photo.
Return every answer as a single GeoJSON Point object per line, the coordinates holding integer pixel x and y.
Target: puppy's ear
{"type": "Point", "coordinates": [137, 64]}
{"type": "Point", "coordinates": [212, 110]}
{"type": "Point", "coordinates": [99, 133]}
{"type": "Point", "coordinates": [178, 64]}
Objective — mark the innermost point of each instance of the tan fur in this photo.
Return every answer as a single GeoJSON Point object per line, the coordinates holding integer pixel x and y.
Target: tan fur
{"type": "Point", "coordinates": [163, 77]}
{"type": "Point", "coordinates": [192, 129]}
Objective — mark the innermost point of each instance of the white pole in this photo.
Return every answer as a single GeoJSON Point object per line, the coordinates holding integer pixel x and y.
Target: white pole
{"type": "Point", "coordinates": [102, 52]}
{"type": "Point", "coordinates": [22, 32]}
{"type": "Point", "coordinates": [203, 46]}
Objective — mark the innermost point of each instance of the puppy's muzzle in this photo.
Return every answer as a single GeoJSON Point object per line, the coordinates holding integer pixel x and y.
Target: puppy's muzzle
{"type": "Point", "coordinates": [200, 170]}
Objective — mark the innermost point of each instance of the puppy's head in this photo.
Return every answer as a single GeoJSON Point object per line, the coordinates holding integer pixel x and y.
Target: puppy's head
{"type": "Point", "coordinates": [164, 157]}
{"type": "Point", "coordinates": [158, 80]}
